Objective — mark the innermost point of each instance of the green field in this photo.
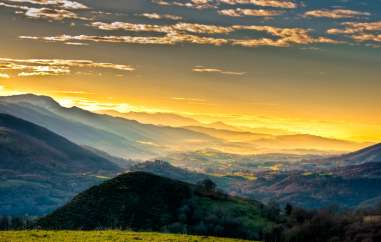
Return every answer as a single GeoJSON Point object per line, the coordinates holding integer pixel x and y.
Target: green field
{"type": "Point", "coordinates": [92, 236]}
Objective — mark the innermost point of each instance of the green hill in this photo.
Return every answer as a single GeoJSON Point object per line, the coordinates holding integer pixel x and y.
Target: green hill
{"type": "Point", "coordinates": [146, 202]}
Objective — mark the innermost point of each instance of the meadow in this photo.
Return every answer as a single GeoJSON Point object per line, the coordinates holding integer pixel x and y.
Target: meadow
{"type": "Point", "coordinates": [95, 236]}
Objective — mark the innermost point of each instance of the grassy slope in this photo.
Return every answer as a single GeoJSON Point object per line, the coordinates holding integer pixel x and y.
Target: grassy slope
{"type": "Point", "coordinates": [92, 236]}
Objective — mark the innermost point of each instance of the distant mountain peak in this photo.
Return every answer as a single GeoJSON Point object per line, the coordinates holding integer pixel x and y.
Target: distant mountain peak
{"type": "Point", "coordinates": [40, 100]}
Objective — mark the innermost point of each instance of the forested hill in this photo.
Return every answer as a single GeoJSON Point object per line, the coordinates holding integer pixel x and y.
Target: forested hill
{"type": "Point", "coordinates": [143, 201]}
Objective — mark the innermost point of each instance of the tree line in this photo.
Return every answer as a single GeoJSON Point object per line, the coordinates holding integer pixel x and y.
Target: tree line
{"type": "Point", "coordinates": [326, 225]}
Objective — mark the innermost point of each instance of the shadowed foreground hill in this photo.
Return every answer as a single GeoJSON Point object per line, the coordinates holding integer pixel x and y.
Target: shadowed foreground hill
{"type": "Point", "coordinates": [146, 202]}
{"type": "Point", "coordinates": [40, 170]}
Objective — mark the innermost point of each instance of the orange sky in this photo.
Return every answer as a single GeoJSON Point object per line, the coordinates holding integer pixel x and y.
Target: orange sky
{"type": "Point", "coordinates": [307, 68]}
{"type": "Point", "coordinates": [270, 116]}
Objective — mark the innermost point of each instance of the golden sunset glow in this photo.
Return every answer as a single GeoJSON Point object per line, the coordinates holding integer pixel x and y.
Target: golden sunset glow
{"type": "Point", "coordinates": [254, 66]}
{"type": "Point", "coordinates": [364, 129]}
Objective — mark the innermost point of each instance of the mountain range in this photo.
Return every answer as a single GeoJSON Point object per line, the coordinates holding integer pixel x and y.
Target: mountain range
{"type": "Point", "coordinates": [40, 170]}
{"type": "Point", "coordinates": [245, 139]}
{"type": "Point", "coordinates": [49, 153]}
{"type": "Point", "coordinates": [131, 139]}
{"type": "Point", "coordinates": [118, 136]}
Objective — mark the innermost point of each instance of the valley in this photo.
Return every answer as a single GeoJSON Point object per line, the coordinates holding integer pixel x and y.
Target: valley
{"type": "Point", "coordinates": [92, 171]}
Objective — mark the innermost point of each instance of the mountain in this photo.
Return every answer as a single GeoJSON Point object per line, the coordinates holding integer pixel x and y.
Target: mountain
{"type": "Point", "coordinates": [229, 135]}
{"type": "Point", "coordinates": [118, 136]}
{"type": "Point", "coordinates": [266, 130]}
{"type": "Point", "coordinates": [40, 170]}
{"type": "Point", "coordinates": [222, 125]}
{"type": "Point", "coordinates": [26, 147]}
{"type": "Point", "coordinates": [245, 142]}
{"type": "Point", "coordinates": [143, 201]}
{"type": "Point", "coordinates": [168, 119]}
{"type": "Point", "coordinates": [369, 154]}
{"type": "Point", "coordinates": [162, 119]}
{"type": "Point", "coordinates": [308, 142]}
{"type": "Point", "coordinates": [78, 132]}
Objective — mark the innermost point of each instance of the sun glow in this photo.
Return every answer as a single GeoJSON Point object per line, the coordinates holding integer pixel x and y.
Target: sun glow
{"type": "Point", "coordinates": [337, 129]}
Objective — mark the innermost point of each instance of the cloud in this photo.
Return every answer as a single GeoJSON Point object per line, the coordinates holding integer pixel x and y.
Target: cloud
{"type": "Point", "coordinates": [367, 37]}
{"type": "Point", "coordinates": [192, 33]}
{"type": "Point", "coordinates": [216, 70]}
{"type": "Point", "coordinates": [196, 4]}
{"type": "Point", "coordinates": [169, 39]}
{"type": "Point", "coordinates": [170, 29]}
{"type": "Point", "coordinates": [205, 4]}
{"type": "Point", "coordinates": [355, 27]}
{"type": "Point", "coordinates": [285, 37]}
{"type": "Point", "coordinates": [76, 43]}
{"type": "Point", "coordinates": [360, 31]}
{"type": "Point", "coordinates": [188, 99]}
{"type": "Point", "coordinates": [336, 13]}
{"type": "Point", "coordinates": [160, 16]}
{"type": "Point", "coordinates": [54, 14]}
{"type": "Point", "coordinates": [53, 67]}
{"type": "Point", "coordinates": [263, 3]}
{"type": "Point", "coordinates": [193, 101]}
{"type": "Point", "coordinates": [249, 12]}
{"type": "Point", "coordinates": [43, 13]}
{"type": "Point", "coordinates": [60, 3]}
{"type": "Point", "coordinates": [178, 33]}
{"type": "Point", "coordinates": [4, 76]}
{"type": "Point", "coordinates": [202, 28]}
{"type": "Point", "coordinates": [131, 27]}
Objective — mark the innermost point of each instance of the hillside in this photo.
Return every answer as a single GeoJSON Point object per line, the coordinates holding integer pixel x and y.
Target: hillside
{"type": "Point", "coordinates": [40, 170]}
{"type": "Point", "coordinates": [25, 147]}
{"type": "Point", "coordinates": [366, 155]}
{"type": "Point", "coordinates": [143, 201]}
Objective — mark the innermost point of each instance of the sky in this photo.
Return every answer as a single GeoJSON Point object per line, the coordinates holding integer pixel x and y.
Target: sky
{"type": "Point", "coordinates": [304, 66]}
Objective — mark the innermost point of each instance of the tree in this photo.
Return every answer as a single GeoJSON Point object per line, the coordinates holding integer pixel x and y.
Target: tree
{"type": "Point", "coordinates": [288, 209]}
{"type": "Point", "coordinates": [4, 223]}
{"type": "Point", "coordinates": [207, 186]}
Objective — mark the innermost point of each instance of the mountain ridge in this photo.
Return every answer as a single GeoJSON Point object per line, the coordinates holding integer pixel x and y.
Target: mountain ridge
{"type": "Point", "coordinates": [40, 170]}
